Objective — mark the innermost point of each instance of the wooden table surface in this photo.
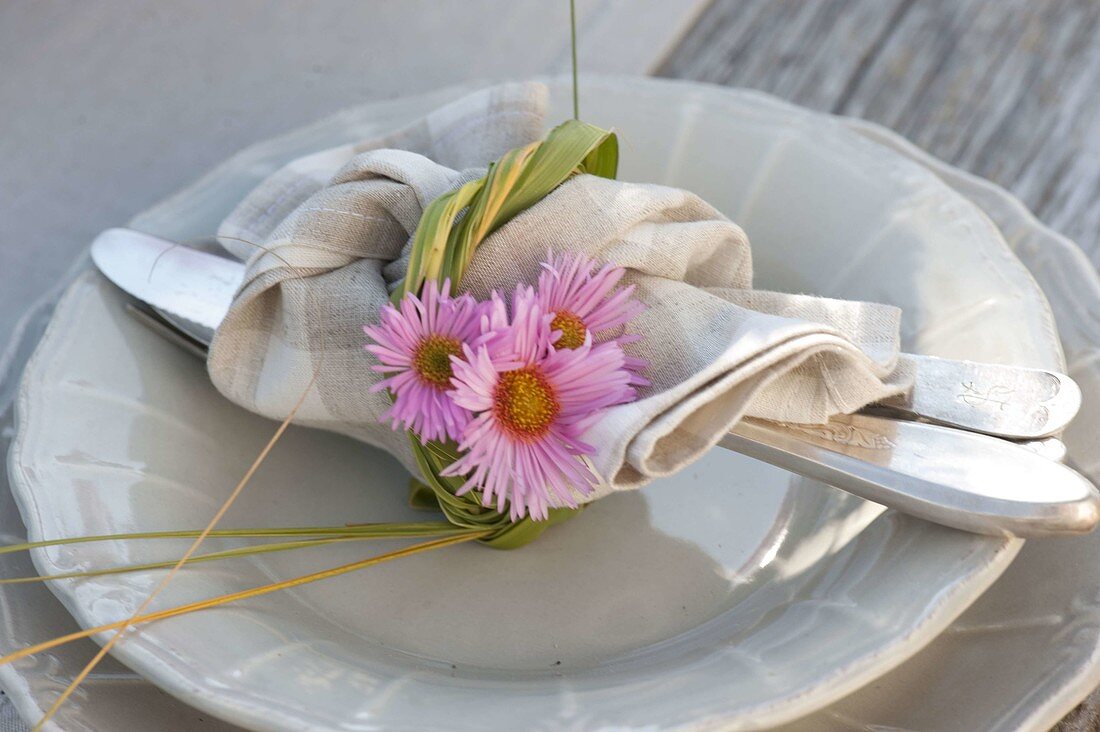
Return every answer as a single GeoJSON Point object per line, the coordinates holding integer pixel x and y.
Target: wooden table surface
{"type": "Point", "coordinates": [1006, 89]}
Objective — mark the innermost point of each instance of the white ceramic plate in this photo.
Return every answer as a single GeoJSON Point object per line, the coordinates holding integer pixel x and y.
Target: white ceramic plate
{"type": "Point", "coordinates": [799, 571]}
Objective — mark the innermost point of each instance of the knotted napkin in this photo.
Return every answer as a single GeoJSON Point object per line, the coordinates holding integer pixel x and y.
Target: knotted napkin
{"type": "Point", "coordinates": [335, 228]}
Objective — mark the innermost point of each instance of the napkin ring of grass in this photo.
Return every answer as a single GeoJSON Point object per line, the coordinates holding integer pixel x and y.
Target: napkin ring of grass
{"type": "Point", "coordinates": [442, 248]}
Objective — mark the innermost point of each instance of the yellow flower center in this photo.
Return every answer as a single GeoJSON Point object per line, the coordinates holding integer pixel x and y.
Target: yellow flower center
{"type": "Point", "coordinates": [572, 330]}
{"type": "Point", "coordinates": [525, 402]}
{"type": "Point", "coordinates": [432, 359]}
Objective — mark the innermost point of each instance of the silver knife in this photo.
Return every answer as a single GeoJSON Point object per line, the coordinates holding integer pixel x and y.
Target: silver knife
{"type": "Point", "coordinates": [193, 290]}
{"type": "Point", "coordinates": [888, 455]}
{"type": "Point", "coordinates": [960, 479]}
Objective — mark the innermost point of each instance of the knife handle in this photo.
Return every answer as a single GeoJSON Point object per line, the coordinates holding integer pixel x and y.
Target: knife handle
{"type": "Point", "coordinates": [959, 479]}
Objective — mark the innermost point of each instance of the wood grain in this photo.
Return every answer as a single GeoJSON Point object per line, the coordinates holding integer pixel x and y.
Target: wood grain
{"type": "Point", "coordinates": [1007, 89]}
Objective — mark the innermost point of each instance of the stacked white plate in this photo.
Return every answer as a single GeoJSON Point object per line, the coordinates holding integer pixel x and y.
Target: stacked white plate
{"type": "Point", "coordinates": [732, 596]}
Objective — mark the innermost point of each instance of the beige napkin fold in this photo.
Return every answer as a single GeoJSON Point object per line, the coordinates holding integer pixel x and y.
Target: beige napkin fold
{"type": "Point", "coordinates": [335, 228]}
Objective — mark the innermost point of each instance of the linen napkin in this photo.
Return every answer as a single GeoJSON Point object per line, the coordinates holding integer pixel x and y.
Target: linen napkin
{"type": "Point", "coordinates": [335, 228]}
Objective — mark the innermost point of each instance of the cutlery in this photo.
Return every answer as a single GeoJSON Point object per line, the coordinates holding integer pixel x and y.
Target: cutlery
{"type": "Point", "coordinates": [960, 479]}
{"type": "Point", "coordinates": [921, 453]}
{"type": "Point", "coordinates": [1004, 401]}
{"type": "Point", "coordinates": [192, 290]}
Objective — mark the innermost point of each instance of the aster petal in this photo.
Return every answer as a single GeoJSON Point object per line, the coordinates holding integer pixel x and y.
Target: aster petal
{"type": "Point", "coordinates": [421, 405]}
{"type": "Point", "coordinates": [577, 285]}
{"type": "Point", "coordinates": [522, 467]}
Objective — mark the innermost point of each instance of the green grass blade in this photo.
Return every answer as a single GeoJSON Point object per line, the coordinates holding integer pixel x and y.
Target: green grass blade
{"type": "Point", "coordinates": [450, 230]}
{"type": "Point", "coordinates": [404, 530]}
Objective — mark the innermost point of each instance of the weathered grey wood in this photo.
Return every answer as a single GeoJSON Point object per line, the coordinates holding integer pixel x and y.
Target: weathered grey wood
{"type": "Point", "coordinates": [1007, 89]}
{"type": "Point", "coordinates": [763, 45]}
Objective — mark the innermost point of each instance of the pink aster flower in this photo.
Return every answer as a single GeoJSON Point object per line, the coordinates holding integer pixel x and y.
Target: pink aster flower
{"type": "Point", "coordinates": [531, 404]}
{"type": "Point", "coordinates": [584, 300]}
{"type": "Point", "coordinates": [415, 343]}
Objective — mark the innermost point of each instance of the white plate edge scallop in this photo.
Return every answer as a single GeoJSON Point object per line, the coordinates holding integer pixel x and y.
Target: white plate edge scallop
{"type": "Point", "coordinates": [913, 640]}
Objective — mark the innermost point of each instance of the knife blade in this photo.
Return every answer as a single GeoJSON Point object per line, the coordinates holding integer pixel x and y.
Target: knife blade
{"type": "Point", "coordinates": [187, 284]}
